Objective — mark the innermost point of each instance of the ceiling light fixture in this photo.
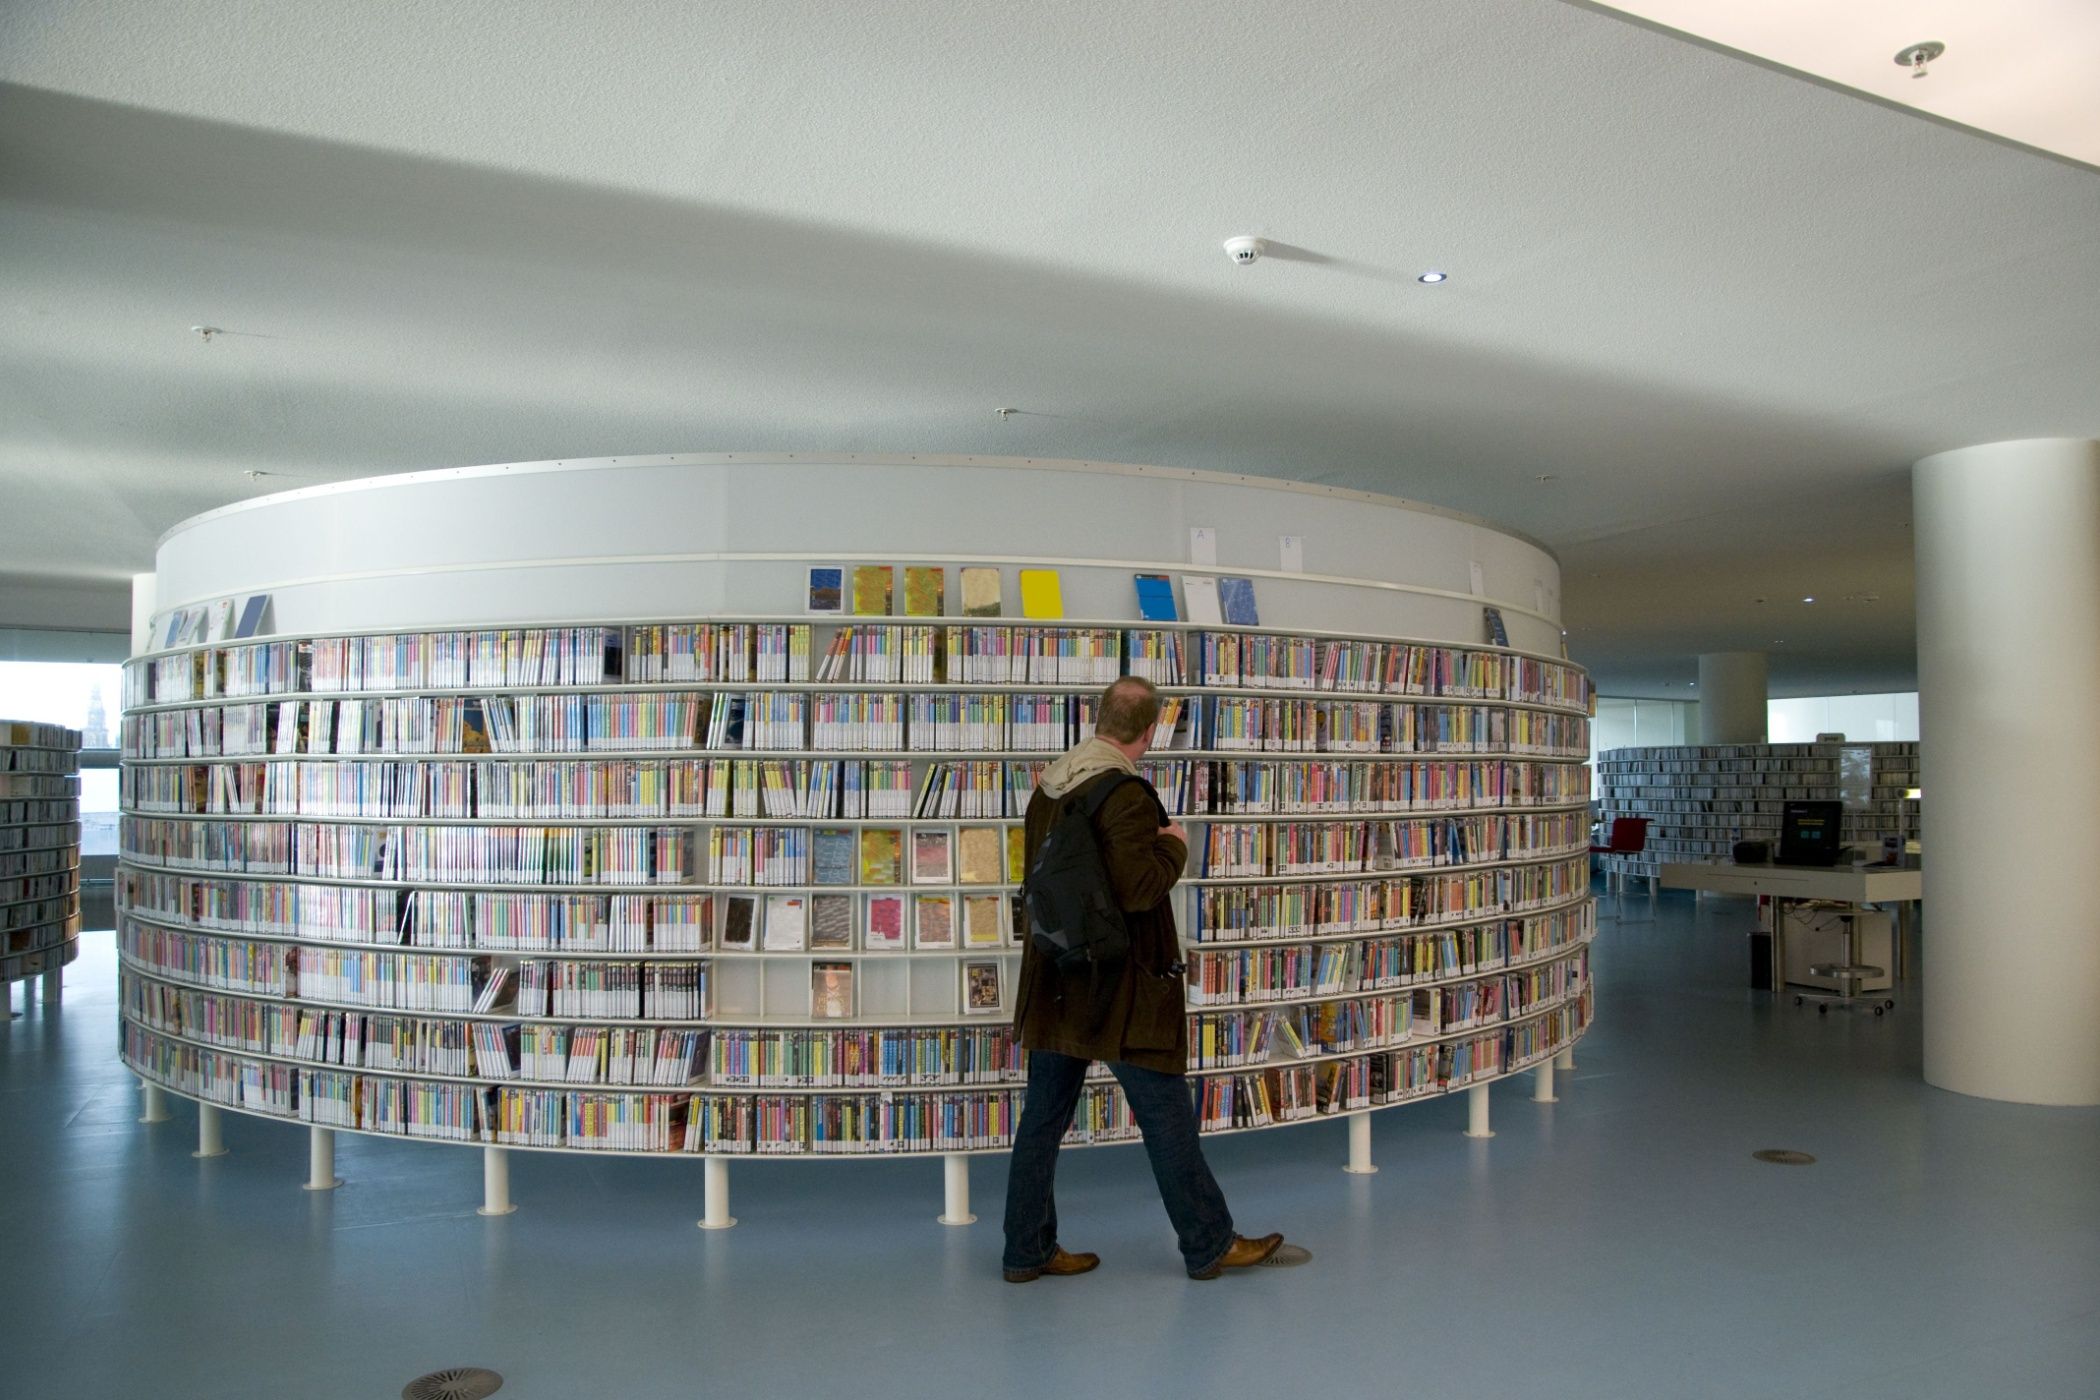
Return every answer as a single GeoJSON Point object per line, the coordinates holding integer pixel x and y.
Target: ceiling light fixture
{"type": "Point", "coordinates": [1917, 56]}
{"type": "Point", "coordinates": [1432, 277]}
{"type": "Point", "coordinates": [1809, 599]}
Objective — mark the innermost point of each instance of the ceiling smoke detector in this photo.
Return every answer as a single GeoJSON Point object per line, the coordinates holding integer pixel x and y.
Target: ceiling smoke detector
{"type": "Point", "coordinates": [1245, 249]}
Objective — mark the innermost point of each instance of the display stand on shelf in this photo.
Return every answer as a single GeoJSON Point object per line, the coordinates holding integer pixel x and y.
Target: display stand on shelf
{"type": "Point", "coordinates": [746, 885]}
{"type": "Point", "coordinates": [39, 857]}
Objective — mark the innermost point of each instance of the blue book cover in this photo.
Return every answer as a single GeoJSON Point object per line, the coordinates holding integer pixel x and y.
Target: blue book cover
{"type": "Point", "coordinates": [1155, 598]}
{"type": "Point", "coordinates": [251, 615]}
{"type": "Point", "coordinates": [1236, 597]}
{"type": "Point", "coordinates": [835, 856]}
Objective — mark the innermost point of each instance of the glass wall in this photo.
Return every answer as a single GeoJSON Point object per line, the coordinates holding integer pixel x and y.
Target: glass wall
{"type": "Point", "coordinates": [1639, 724]}
{"type": "Point", "coordinates": [80, 695]}
{"type": "Point", "coordinates": [1866, 719]}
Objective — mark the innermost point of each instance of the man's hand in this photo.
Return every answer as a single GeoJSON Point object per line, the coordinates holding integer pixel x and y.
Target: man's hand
{"type": "Point", "coordinates": [1177, 831]}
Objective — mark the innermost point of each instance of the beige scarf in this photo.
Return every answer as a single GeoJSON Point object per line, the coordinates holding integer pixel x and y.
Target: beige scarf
{"type": "Point", "coordinates": [1091, 759]}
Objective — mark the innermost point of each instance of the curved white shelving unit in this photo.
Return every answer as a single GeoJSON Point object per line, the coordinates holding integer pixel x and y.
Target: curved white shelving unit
{"type": "Point", "coordinates": [454, 847]}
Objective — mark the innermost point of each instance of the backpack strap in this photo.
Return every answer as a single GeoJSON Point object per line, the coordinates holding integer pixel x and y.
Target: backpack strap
{"type": "Point", "coordinates": [1097, 791]}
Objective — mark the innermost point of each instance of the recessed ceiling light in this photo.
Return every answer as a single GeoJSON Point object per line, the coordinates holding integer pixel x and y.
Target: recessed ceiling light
{"type": "Point", "coordinates": [1432, 277]}
{"type": "Point", "coordinates": [1809, 599]}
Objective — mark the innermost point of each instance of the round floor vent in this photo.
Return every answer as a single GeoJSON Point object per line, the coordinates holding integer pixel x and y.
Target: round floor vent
{"type": "Point", "coordinates": [1784, 1157]}
{"type": "Point", "coordinates": [459, 1383]}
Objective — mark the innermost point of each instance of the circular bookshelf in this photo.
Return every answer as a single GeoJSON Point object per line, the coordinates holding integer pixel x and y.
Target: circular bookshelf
{"type": "Point", "coordinates": [39, 849]}
{"type": "Point", "coordinates": [399, 857]}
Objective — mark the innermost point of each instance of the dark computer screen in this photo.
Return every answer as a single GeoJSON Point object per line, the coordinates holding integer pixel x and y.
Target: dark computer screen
{"type": "Point", "coordinates": [1808, 833]}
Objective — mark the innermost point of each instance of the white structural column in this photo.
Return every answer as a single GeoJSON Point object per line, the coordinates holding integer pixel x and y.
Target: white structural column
{"type": "Point", "coordinates": [1732, 697]}
{"type": "Point", "coordinates": [2008, 581]}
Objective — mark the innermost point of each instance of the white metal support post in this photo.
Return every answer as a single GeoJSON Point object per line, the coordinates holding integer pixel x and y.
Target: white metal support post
{"type": "Point", "coordinates": [320, 1160]}
{"type": "Point", "coordinates": [54, 986]}
{"type": "Point", "coordinates": [955, 1194]}
{"type": "Point", "coordinates": [1542, 1085]}
{"type": "Point", "coordinates": [495, 1182]}
{"type": "Point", "coordinates": [1477, 1112]}
{"type": "Point", "coordinates": [153, 1104]}
{"type": "Point", "coordinates": [1360, 1145]}
{"type": "Point", "coordinates": [1565, 1060]}
{"type": "Point", "coordinates": [211, 1136]}
{"type": "Point", "coordinates": [714, 1201]}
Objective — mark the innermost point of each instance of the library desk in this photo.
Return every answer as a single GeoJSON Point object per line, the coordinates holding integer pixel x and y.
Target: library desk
{"type": "Point", "coordinates": [1784, 884]}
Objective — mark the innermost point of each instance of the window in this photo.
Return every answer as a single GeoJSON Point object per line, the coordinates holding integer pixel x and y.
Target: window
{"type": "Point", "coordinates": [80, 695]}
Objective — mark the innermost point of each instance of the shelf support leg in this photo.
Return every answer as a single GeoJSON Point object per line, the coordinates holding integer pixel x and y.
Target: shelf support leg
{"type": "Point", "coordinates": [1360, 1145]}
{"type": "Point", "coordinates": [7, 1002]}
{"type": "Point", "coordinates": [54, 986]}
{"type": "Point", "coordinates": [211, 1135]}
{"type": "Point", "coordinates": [1542, 1086]}
{"type": "Point", "coordinates": [955, 1194]}
{"type": "Point", "coordinates": [714, 1201]}
{"type": "Point", "coordinates": [153, 1104]}
{"type": "Point", "coordinates": [495, 1182]}
{"type": "Point", "coordinates": [320, 1160]}
{"type": "Point", "coordinates": [1477, 1112]}
{"type": "Point", "coordinates": [1565, 1060]}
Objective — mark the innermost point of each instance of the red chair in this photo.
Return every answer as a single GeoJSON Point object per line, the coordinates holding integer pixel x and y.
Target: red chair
{"type": "Point", "coordinates": [1629, 837]}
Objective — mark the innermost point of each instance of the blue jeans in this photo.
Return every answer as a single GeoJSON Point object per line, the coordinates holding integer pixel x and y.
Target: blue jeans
{"type": "Point", "coordinates": [1164, 1113]}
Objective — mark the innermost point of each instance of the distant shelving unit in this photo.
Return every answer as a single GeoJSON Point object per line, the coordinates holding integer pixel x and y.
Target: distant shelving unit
{"type": "Point", "coordinates": [1700, 799]}
{"type": "Point", "coordinates": [39, 854]}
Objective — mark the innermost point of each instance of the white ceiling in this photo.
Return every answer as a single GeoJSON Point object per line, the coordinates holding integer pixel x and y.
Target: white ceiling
{"type": "Point", "coordinates": [1721, 307]}
{"type": "Point", "coordinates": [2021, 69]}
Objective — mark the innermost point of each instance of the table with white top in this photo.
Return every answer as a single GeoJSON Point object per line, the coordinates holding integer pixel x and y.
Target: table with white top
{"type": "Point", "coordinates": [1838, 884]}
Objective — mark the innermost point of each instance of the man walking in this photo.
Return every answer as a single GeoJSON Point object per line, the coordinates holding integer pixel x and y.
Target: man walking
{"type": "Point", "coordinates": [1129, 1014]}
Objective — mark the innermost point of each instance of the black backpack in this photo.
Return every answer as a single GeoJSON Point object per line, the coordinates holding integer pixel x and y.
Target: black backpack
{"type": "Point", "coordinates": [1073, 916]}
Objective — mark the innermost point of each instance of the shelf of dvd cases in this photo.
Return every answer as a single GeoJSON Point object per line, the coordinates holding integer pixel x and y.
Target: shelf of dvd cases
{"type": "Point", "coordinates": [708, 855]}
{"type": "Point", "coordinates": [1702, 799]}
{"type": "Point", "coordinates": [39, 852]}
{"type": "Point", "coordinates": [779, 1121]}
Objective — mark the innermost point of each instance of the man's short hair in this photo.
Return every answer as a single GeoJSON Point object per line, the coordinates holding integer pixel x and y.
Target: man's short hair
{"type": "Point", "coordinates": [1129, 709]}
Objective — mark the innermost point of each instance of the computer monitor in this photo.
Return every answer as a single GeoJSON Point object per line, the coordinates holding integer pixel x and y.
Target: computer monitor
{"type": "Point", "coordinates": [1808, 833]}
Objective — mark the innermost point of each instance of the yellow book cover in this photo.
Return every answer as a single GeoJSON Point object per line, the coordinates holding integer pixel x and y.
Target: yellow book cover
{"type": "Point", "coordinates": [981, 857]}
{"type": "Point", "coordinates": [981, 926]}
{"type": "Point", "coordinates": [1016, 854]}
{"type": "Point", "coordinates": [871, 590]}
{"type": "Point", "coordinates": [980, 593]}
{"type": "Point", "coordinates": [882, 856]}
{"type": "Point", "coordinates": [925, 591]}
{"type": "Point", "coordinates": [1042, 593]}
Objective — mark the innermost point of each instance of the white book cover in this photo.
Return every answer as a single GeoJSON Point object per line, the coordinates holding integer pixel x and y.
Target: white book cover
{"type": "Point", "coordinates": [1199, 593]}
{"type": "Point", "coordinates": [787, 923]}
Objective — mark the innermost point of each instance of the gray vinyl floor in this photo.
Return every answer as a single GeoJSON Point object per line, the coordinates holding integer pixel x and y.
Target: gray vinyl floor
{"type": "Point", "coordinates": [1621, 1242]}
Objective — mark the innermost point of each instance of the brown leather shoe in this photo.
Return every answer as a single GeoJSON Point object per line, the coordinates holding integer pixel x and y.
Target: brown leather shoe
{"type": "Point", "coordinates": [1062, 1264]}
{"type": "Point", "coordinates": [1243, 1254]}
